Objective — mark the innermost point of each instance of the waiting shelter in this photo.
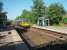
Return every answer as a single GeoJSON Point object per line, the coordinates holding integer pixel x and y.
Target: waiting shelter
{"type": "Point", "coordinates": [42, 21]}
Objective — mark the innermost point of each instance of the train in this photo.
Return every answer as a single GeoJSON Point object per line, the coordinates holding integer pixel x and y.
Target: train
{"type": "Point", "coordinates": [22, 24]}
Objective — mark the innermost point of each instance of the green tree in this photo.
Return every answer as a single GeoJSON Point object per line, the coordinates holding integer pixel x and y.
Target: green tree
{"type": "Point", "coordinates": [18, 17]}
{"type": "Point", "coordinates": [55, 13]}
{"type": "Point", "coordinates": [38, 9]}
{"type": "Point", "coordinates": [26, 14]}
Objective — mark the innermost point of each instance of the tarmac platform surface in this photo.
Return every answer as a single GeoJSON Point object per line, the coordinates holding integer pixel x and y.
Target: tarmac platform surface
{"type": "Point", "coordinates": [11, 41]}
{"type": "Point", "coordinates": [60, 30]}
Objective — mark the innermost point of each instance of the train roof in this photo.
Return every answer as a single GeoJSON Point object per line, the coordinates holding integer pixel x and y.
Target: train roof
{"type": "Point", "coordinates": [23, 19]}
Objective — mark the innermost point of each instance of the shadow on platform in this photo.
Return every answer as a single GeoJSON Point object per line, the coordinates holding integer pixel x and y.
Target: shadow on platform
{"type": "Point", "coordinates": [14, 46]}
{"type": "Point", "coordinates": [54, 47]}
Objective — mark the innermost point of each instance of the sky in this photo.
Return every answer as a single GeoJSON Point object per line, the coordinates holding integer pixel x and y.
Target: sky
{"type": "Point", "coordinates": [15, 7]}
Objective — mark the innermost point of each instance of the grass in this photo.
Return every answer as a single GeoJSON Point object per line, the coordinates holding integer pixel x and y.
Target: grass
{"type": "Point", "coordinates": [61, 25]}
{"type": "Point", "coordinates": [58, 26]}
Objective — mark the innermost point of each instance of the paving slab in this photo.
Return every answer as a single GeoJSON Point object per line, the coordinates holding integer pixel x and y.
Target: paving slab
{"type": "Point", "coordinates": [11, 41]}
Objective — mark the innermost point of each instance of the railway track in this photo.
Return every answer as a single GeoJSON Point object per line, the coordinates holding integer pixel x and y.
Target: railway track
{"type": "Point", "coordinates": [58, 35]}
{"type": "Point", "coordinates": [37, 38]}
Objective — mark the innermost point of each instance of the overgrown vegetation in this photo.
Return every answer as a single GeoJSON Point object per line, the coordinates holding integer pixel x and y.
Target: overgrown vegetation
{"type": "Point", "coordinates": [55, 12]}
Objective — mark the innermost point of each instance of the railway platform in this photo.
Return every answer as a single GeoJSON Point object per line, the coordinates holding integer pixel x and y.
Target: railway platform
{"type": "Point", "coordinates": [60, 30]}
{"type": "Point", "coordinates": [10, 40]}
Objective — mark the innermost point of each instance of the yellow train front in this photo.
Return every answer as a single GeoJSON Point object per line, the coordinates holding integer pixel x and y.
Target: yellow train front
{"type": "Point", "coordinates": [23, 24]}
